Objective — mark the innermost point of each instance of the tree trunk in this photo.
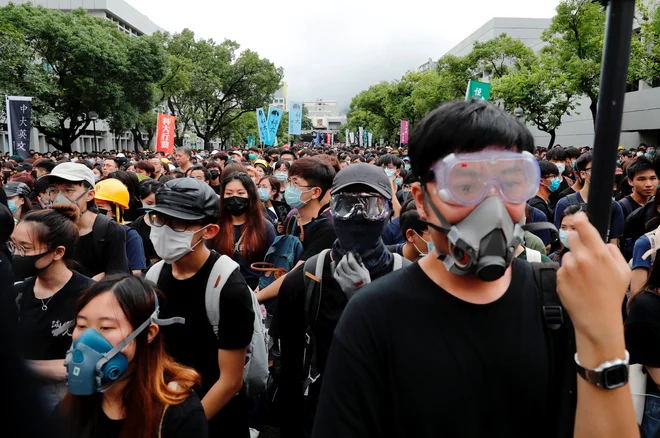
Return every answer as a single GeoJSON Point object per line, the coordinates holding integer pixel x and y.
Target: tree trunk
{"type": "Point", "coordinates": [553, 134]}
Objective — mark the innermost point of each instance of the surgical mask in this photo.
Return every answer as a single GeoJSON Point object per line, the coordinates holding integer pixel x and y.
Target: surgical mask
{"type": "Point", "coordinates": [214, 174]}
{"type": "Point", "coordinates": [91, 162]}
{"type": "Point", "coordinates": [390, 172]}
{"type": "Point", "coordinates": [24, 267]}
{"type": "Point", "coordinates": [407, 167]}
{"type": "Point", "coordinates": [147, 208]}
{"type": "Point", "coordinates": [563, 236]}
{"type": "Point", "coordinates": [264, 194]}
{"type": "Point", "coordinates": [252, 157]}
{"type": "Point", "coordinates": [281, 176]}
{"type": "Point", "coordinates": [421, 254]}
{"type": "Point", "coordinates": [556, 182]}
{"type": "Point", "coordinates": [12, 206]}
{"type": "Point", "coordinates": [292, 197]}
{"type": "Point", "coordinates": [483, 243]}
{"type": "Point", "coordinates": [92, 362]}
{"type": "Point", "coordinates": [639, 154]}
{"type": "Point", "coordinates": [236, 205]}
{"type": "Point", "coordinates": [171, 245]}
{"type": "Point", "coordinates": [561, 167]}
{"type": "Point", "coordinates": [260, 173]}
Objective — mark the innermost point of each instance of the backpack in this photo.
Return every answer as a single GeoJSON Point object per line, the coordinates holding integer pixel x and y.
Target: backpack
{"type": "Point", "coordinates": [255, 371]}
{"type": "Point", "coordinates": [99, 231]}
{"type": "Point", "coordinates": [283, 254]}
{"type": "Point", "coordinates": [313, 281]}
{"type": "Point", "coordinates": [651, 236]}
{"type": "Point", "coordinates": [563, 380]}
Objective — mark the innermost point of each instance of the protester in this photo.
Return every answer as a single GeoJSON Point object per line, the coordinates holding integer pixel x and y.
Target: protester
{"type": "Point", "coordinates": [18, 199]}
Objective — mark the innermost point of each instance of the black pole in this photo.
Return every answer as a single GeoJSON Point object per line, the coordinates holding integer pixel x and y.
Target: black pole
{"type": "Point", "coordinates": [96, 142]}
{"type": "Point", "coordinates": [613, 78]}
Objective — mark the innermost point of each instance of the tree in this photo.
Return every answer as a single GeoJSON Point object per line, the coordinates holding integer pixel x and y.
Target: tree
{"type": "Point", "coordinates": [645, 61]}
{"type": "Point", "coordinates": [73, 63]}
{"type": "Point", "coordinates": [454, 73]}
{"type": "Point", "coordinates": [500, 55]}
{"type": "Point", "coordinates": [222, 85]}
{"type": "Point", "coordinates": [575, 41]}
{"type": "Point", "coordinates": [541, 90]}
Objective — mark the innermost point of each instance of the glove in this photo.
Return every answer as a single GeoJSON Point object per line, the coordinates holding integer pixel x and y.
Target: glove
{"type": "Point", "coordinates": [351, 274]}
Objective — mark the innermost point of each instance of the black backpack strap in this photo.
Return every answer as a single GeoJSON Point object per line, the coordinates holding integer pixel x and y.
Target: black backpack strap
{"type": "Point", "coordinates": [572, 199]}
{"type": "Point", "coordinates": [559, 329]}
{"type": "Point", "coordinates": [99, 231]}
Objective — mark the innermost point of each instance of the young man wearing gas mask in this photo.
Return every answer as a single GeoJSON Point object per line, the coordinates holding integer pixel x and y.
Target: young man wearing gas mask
{"type": "Point", "coordinates": [360, 210]}
{"type": "Point", "coordinates": [182, 221]}
{"type": "Point", "coordinates": [457, 345]}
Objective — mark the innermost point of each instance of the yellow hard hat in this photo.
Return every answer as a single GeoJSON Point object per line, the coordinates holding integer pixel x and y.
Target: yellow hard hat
{"type": "Point", "coordinates": [262, 162]}
{"type": "Point", "coordinates": [112, 190]}
{"type": "Point", "coordinates": [621, 148]}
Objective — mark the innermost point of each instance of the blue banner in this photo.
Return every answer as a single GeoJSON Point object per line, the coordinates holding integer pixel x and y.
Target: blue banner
{"type": "Point", "coordinates": [318, 139]}
{"type": "Point", "coordinates": [274, 118]}
{"type": "Point", "coordinates": [262, 123]}
{"type": "Point", "coordinates": [295, 118]}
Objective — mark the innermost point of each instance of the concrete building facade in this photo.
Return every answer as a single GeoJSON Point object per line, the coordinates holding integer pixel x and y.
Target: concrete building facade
{"type": "Point", "coordinates": [325, 116]}
{"type": "Point", "coordinates": [128, 20]}
{"type": "Point", "coordinates": [641, 116]}
{"type": "Point", "coordinates": [281, 98]}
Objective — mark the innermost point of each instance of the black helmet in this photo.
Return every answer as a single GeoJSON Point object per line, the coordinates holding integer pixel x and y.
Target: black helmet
{"type": "Point", "coordinates": [187, 199]}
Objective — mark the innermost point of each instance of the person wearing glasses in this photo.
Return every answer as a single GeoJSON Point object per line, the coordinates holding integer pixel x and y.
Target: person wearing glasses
{"type": "Point", "coordinates": [41, 245]}
{"type": "Point", "coordinates": [183, 220]}
{"type": "Point", "coordinates": [245, 234]}
{"type": "Point", "coordinates": [360, 208]}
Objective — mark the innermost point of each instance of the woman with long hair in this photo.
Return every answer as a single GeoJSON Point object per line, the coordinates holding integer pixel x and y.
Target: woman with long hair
{"type": "Point", "coordinates": [131, 181]}
{"type": "Point", "coordinates": [269, 191]}
{"type": "Point", "coordinates": [143, 392]}
{"type": "Point", "coordinates": [18, 199]}
{"type": "Point", "coordinates": [245, 234]}
{"type": "Point", "coordinates": [42, 246]}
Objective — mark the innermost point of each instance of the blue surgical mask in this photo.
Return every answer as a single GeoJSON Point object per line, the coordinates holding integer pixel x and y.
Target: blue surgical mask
{"type": "Point", "coordinates": [292, 197]}
{"type": "Point", "coordinates": [407, 167]}
{"type": "Point", "coordinates": [252, 157]}
{"type": "Point", "coordinates": [389, 172]}
{"type": "Point", "coordinates": [264, 194]}
{"type": "Point", "coordinates": [556, 182]}
{"type": "Point", "coordinates": [12, 206]}
{"type": "Point", "coordinates": [430, 245]}
{"type": "Point", "coordinates": [563, 236]}
{"type": "Point", "coordinates": [281, 176]}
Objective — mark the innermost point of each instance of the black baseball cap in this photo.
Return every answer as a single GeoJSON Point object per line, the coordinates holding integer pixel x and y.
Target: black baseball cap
{"type": "Point", "coordinates": [187, 199]}
{"type": "Point", "coordinates": [362, 174]}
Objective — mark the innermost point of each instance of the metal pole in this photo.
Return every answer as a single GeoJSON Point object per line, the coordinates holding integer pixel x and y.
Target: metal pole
{"type": "Point", "coordinates": [613, 78]}
{"type": "Point", "coordinates": [96, 140]}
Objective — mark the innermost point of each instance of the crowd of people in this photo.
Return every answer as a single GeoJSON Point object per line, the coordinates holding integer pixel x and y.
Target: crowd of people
{"type": "Point", "coordinates": [390, 289]}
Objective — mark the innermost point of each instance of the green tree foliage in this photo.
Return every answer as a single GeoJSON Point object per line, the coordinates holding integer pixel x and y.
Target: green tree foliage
{"type": "Point", "coordinates": [541, 90]}
{"type": "Point", "coordinates": [499, 56]}
{"type": "Point", "coordinates": [73, 63]}
{"type": "Point", "coordinates": [213, 84]}
{"type": "Point", "coordinates": [645, 62]}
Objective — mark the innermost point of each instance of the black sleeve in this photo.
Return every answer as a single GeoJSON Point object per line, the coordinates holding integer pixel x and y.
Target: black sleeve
{"type": "Point", "coordinates": [291, 332]}
{"type": "Point", "coordinates": [643, 330]}
{"type": "Point", "coordinates": [186, 420]}
{"type": "Point", "coordinates": [352, 391]}
{"type": "Point", "coordinates": [322, 237]}
{"type": "Point", "coordinates": [114, 250]}
{"type": "Point", "coordinates": [236, 314]}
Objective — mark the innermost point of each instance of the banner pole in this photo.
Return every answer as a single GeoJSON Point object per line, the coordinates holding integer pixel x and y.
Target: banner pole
{"type": "Point", "coordinates": [614, 73]}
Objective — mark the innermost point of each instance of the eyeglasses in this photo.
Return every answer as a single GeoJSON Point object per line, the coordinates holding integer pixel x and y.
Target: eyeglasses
{"type": "Point", "coordinates": [179, 225]}
{"type": "Point", "coordinates": [16, 249]}
{"type": "Point", "coordinates": [296, 185]}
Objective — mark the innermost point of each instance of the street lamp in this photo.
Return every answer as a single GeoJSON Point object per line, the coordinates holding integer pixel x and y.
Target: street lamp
{"type": "Point", "coordinates": [518, 113]}
{"type": "Point", "coordinates": [94, 116]}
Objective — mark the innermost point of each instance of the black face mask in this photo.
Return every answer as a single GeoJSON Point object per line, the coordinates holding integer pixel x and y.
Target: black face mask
{"type": "Point", "coordinates": [23, 266]}
{"type": "Point", "coordinates": [236, 205]}
{"type": "Point", "coordinates": [214, 174]}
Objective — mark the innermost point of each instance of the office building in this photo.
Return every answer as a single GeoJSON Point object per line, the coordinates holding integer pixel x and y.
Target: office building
{"type": "Point", "coordinates": [325, 115]}
{"type": "Point", "coordinates": [281, 98]}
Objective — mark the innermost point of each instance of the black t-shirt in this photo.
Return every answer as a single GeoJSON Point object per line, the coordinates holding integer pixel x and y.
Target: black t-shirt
{"type": "Point", "coordinates": [36, 325]}
{"type": "Point", "coordinates": [409, 359]}
{"type": "Point", "coordinates": [540, 204]}
{"type": "Point", "coordinates": [568, 191]}
{"type": "Point", "coordinates": [186, 420]}
{"type": "Point", "coordinates": [629, 206]}
{"type": "Point", "coordinates": [194, 343]}
{"type": "Point", "coordinates": [643, 334]}
{"type": "Point", "coordinates": [217, 188]}
{"type": "Point", "coordinates": [114, 258]}
{"type": "Point", "coordinates": [290, 329]}
{"type": "Point", "coordinates": [319, 235]}
{"type": "Point", "coordinates": [144, 230]}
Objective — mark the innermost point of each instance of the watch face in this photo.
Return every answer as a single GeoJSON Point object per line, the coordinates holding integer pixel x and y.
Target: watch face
{"type": "Point", "coordinates": [615, 377]}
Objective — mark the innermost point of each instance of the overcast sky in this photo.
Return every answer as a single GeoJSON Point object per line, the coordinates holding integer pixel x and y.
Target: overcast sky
{"type": "Point", "coordinates": [334, 49]}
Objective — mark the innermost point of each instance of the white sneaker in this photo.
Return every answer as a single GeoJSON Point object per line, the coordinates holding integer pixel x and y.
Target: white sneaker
{"type": "Point", "coordinates": [254, 433]}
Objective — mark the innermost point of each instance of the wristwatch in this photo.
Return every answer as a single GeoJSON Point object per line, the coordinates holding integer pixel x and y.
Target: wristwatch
{"type": "Point", "coordinates": [608, 375]}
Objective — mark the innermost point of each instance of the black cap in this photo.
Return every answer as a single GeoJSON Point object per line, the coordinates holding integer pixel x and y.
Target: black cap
{"type": "Point", "coordinates": [16, 189]}
{"type": "Point", "coordinates": [362, 174]}
{"type": "Point", "coordinates": [24, 166]}
{"type": "Point", "coordinates": [187, 199]}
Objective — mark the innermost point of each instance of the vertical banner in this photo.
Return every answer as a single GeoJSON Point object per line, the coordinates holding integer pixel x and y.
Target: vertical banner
{"type": "Point", "coordinates": [404, 132]}
{"type": "Point", "coordinates": [295, 118]}
{"type": "Point", "coordinates": [318, 138]}
{"type": "Point", "coordinates": [328, 138]}
{"type": "Point", "coordinates": [19, 118]}
{"type": "Point", "coordinates": [273, 123]}
{"type": "Point", "coordinates": [165, 133]}
{"type": "Point", "coordinates": [347, 138]}
{"type": "Point", "coordinates": [366, 138]}
{"type": "Point", "coordinates": [262, 123]}
{"type": "Point", "coordinates": [370, 137]}
{"type": "Point", "coordinates": [251, 142]}
{"type": "Point", "coordinates": [351, 140]}
{"type": "Point", "coordinates": [361, 136]}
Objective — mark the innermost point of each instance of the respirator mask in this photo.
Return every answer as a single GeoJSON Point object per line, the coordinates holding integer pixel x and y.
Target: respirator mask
{"type": "Point", "coordinates": [483, 244]}
{"type": "Point", "coordinates": [92, 363]}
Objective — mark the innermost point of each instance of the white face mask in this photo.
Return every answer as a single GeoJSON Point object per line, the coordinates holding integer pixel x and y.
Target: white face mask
{"type": "Point", "coordinates": [561, 167]}
{"type": "Point", "coordinates": [171, 245]}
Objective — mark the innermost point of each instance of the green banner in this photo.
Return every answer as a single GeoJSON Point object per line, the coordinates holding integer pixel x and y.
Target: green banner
{"type": "Point", "coordinates": [251, 142]}
{"type": "Point", "coordinates": [478, 90]}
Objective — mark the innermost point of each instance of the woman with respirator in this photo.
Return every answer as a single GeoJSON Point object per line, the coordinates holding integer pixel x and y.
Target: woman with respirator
{"type": "Point", "coordinates": [120, 380]}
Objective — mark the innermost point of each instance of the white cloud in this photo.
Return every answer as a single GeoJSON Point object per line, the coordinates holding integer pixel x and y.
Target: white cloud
{"type": "Point", "coordinates": [334, 49]}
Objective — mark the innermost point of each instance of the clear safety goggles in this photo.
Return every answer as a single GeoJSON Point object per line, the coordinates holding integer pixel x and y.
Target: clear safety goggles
{"type": "Point", "coordinates": [467, 179]}
{"type": "Point", "coordinates": [344, 206]}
